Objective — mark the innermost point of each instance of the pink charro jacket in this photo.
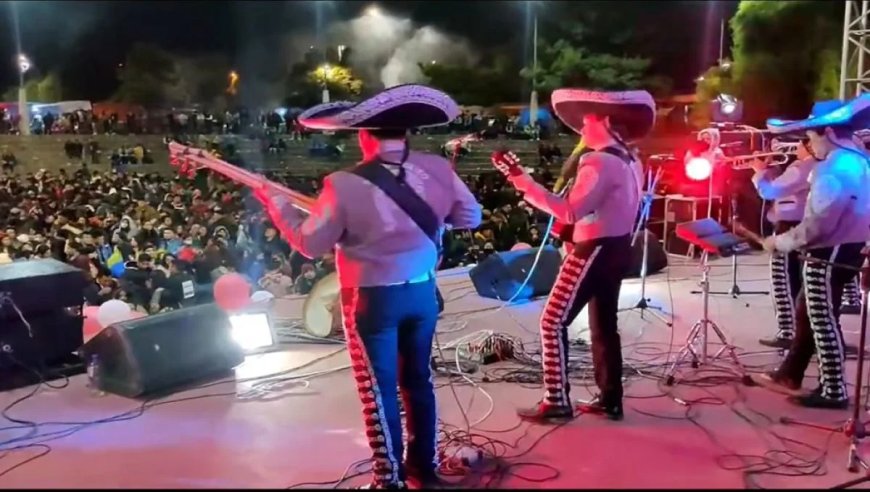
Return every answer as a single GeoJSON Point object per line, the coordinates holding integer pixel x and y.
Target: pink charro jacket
{"type": "Point", "coordinates": [376, 242]}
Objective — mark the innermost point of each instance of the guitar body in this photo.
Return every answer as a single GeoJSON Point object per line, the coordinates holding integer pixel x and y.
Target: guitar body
{"type": "Point", "coordinates": [563, 232]}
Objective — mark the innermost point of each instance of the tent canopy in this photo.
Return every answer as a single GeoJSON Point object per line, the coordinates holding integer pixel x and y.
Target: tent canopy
{"type": "Point", "coordinates": [544, 116]}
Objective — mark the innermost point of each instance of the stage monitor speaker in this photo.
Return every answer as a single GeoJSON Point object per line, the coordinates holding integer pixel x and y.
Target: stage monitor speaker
{"type": "Point", "coordinates": [41, 286]}
{"type": "Point", "coordinates": [40, 315]}
{"type": "Point", "coordinates": [162, 352]}
{"type": "Point", "coordinates": [501, 275]}
{"type": "Point", "coordinates": [657, 259]}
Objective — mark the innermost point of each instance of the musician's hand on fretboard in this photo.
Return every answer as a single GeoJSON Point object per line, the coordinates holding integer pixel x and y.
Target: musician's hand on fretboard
{"type": "Point", "coordinates": [507, 163]}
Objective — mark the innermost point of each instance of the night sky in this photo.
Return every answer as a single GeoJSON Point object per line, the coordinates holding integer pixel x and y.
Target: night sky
{"type": "Point", "coordinates": [86, 40]}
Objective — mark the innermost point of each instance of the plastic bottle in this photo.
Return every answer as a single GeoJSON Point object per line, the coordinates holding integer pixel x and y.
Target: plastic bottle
{"type": "Point", "coordinates": [94, 375]}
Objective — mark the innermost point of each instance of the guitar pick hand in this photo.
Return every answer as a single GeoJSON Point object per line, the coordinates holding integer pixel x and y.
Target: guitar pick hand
{"type": "Point", "coordinates": [507, 163]}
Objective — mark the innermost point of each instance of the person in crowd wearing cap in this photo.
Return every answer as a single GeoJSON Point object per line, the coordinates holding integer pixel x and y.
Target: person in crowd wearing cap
{"type": "Point", "coordinates": [834, 228]}
{"type": "Point", "coordinates": [386, 217]}
{"type": "Point", "coordinates": [789, 192]}
{"type": "Point", "coordinates": [601, 204]}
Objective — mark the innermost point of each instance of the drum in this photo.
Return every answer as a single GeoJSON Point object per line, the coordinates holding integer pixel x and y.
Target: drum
{"type": "Point", "coordinates": [321, 312]}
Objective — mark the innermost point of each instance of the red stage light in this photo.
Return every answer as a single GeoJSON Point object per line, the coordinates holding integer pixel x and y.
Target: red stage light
{"type": "Point", "coordinates": [698, 168]}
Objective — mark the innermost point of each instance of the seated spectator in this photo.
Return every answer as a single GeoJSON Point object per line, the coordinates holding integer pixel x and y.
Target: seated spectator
{"type": "Point", "coordinates": [274, 280]}
{"type": "Point", "coordinates": [305, 282]}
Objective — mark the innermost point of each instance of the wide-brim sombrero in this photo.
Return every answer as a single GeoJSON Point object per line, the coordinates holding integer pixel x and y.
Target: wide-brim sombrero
{"type": "Point", "coordinates": [324, 110]}
{"type": "Point", "coordinates": [401, 107]}
{"type": "Point", "coordinates": [855, 113]}
{"type": "Point", "coordinates": [633, 111]}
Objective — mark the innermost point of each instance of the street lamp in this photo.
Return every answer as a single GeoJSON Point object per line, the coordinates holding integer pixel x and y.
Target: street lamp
{"type": "Point", "coordinates": [325, 73]}
{"type": "Point", "coordinates": [533, 103]}
{"type": "Point", "coordinates": [23, 115]}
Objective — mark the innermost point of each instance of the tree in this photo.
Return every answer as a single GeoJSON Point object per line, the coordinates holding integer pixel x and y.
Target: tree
{"type": "Point", "coordinates": [782, 62]}
{"type": "Point", "coordinates": [566, 65]}
{"type": "Point", "coordinates": [306, 79]}
{"type": "Point", "coordinates": [201, 80]}
{"type": "Point", "coordinates": [148, 77]}
{"type": "Point", "coordinates": [45, 90]}
{"type": "Point", "coordinates": [482, 85]}
{"type": "Point", "coordinates": [715, 81]}
{"type": "Point", "coordinates": [340, 81]}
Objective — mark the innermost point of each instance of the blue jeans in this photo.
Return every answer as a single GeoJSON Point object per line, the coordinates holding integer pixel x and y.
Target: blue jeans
{"type": "Point", "coordinates": [389, 332]}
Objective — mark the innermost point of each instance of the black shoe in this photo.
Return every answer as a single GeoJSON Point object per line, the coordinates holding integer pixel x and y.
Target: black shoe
{"type": "Point", "coordinates": [850, 309]}
{"type": "Point", "coordinates": [816, 400]}
{"type": "Point", "coordinates": [772, 379]}
{"type": "Point", "coordinates": [596, 407]}
{"type": "Point", "coordinates": [780, 343]}
{"type": "Point", "coordinates": [546, 413]}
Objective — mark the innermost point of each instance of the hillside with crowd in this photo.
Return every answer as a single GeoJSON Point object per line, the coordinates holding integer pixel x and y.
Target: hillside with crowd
{"type": "Point", "coordinates": [146, 238]}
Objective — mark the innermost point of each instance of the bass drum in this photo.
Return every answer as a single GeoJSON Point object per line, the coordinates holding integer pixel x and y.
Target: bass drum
{"type": "Point", "coordinates": [322, 311]}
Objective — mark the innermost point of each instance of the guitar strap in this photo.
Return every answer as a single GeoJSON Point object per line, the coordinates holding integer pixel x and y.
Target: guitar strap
{"type": "Point", "coordinates": [397, 188]}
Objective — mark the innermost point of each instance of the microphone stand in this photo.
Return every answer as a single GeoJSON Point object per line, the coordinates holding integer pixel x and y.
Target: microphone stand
{"type": "Point", "coordinates": [643, 303]}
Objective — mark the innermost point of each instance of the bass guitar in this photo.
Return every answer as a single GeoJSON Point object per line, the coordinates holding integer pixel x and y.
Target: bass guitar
{"type": "Point", "coordinates": [188, 160]}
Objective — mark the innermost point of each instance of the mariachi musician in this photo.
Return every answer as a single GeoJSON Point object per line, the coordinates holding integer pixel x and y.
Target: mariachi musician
{"type": "Point", "coordinates": [601, 205]}
{"type": "Point", "coordinates": [834, 228]}
{"type": "Point", "coordinates": [385, 218]}
{"type": "Point", "coordinates": [788, 191]}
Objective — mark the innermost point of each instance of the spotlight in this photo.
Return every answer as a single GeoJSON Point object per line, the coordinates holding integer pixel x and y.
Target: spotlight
{"type": "Point", "coordinates": [252, 331]}
{"type": "Point", "coordinates": [698, 168]}
{"type": "Point", "coordinates": [727, 109]}
{"type": "Point", "coordinates": [373, 11]}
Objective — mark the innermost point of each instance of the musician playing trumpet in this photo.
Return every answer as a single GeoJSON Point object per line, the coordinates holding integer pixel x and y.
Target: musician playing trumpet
{"type": "Point", "coordinates": [788, 191]}
{"type": "Point", "coordinates": [834, 228]}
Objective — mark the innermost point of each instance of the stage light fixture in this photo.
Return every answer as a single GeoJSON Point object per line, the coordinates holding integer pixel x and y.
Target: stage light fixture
{"type": "Point", "coordinates": [698, 168]}
{"type": "Point", "coordinates": [253, 331]}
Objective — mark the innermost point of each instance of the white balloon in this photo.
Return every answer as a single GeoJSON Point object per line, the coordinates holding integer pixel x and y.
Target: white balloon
{"type": "Point", "coordinates": [113, 311]}
{"type": "Point", "coordinates": [261, 296]}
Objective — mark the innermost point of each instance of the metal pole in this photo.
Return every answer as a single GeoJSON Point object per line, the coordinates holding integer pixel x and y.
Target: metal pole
{"type": "Point", "coordinates": [862, 47]}
{"type": "Point", "coordinates": [844, 61]}
{"type": "Point", "coordinates": [722, 42]}
{"type": "Point", "coordinates": [23, 114]}
{"type": "Point", "coordinates": [533, 103]}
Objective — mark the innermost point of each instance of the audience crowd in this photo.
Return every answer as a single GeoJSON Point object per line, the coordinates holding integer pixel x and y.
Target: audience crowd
{"type": "Point", "coordinates": [159, 243]}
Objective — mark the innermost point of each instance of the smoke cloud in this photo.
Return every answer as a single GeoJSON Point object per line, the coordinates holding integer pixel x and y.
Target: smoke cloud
{"type": "Point", "coordinates": [387, 49]}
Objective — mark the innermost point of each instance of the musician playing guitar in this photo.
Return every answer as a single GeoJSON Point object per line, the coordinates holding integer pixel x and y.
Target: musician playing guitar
{"type": "Point", "coordinates": [601, 205]}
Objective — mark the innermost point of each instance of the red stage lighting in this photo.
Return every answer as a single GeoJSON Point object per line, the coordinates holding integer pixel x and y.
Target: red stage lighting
{"type": "Point", "coordinates": [698, 168]}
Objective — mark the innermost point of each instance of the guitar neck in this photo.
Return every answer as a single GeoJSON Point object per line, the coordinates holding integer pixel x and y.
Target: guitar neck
{"type": "Point", "coordinates": [199, 159]}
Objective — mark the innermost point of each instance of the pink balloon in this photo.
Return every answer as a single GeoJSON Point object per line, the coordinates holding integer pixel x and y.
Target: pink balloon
{"type": "Point", "coordinates": [520, 246]}
{"type": "Point", "coordinates": [91, 325]}
{"type": "Point", "coordinates": [232, 292]}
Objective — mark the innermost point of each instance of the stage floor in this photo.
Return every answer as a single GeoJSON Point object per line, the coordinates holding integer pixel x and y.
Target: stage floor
{"type": "Point", "coordinates": [291, 433]}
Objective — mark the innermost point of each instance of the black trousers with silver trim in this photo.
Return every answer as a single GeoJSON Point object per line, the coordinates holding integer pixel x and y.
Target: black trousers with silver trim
{"type": "Point", "coordinates": [590, 275]}
{"type": "Point", "coordinates": [818, 324]}
{"type": "Point", "coordinates": [785, 285]}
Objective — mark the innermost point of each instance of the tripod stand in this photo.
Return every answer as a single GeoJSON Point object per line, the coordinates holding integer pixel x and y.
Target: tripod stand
{"type": "Point", "coordinates": [643, 303]}
{"type": "Point", "coordinates": [854, 428]}
{"type": "Point", "coordinates": [699, 335]}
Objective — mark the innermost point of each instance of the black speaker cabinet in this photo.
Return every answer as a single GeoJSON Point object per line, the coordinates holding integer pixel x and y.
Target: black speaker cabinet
{"type": "Point", "coordinates": [162, 352]}
{"type": "Point", "coordinates": [501, 275]}
{"type": "Point", "coordinates": [656, 261]}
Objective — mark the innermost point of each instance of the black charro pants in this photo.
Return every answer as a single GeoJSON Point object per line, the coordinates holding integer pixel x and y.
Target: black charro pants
{"type": "Point", "coordinates": [785, 285]}
{"type": "Point", "coordinates": [818, 319]}
{"type": "Point", "coordinates": [389, 332]}
{"type": "Point", "coordinates": [592, 274]}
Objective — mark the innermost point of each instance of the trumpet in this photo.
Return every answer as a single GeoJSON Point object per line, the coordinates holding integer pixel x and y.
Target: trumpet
{"type": "Point", "coordinates": [781, 153]}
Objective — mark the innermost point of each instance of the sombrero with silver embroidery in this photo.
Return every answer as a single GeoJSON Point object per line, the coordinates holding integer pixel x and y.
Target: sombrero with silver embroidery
{"type": "Point", "coordinates": [827, 113]}
{"type": "Point", "coordinates": [401, 107]}
{"type": "Point", "coordinates": [324, 110]}
{"type": "Point", "coordinates": [634, 111]}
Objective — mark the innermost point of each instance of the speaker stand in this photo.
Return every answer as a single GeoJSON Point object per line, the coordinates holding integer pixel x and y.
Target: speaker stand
{"type": "Point", "coordinates": [643, 304]}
